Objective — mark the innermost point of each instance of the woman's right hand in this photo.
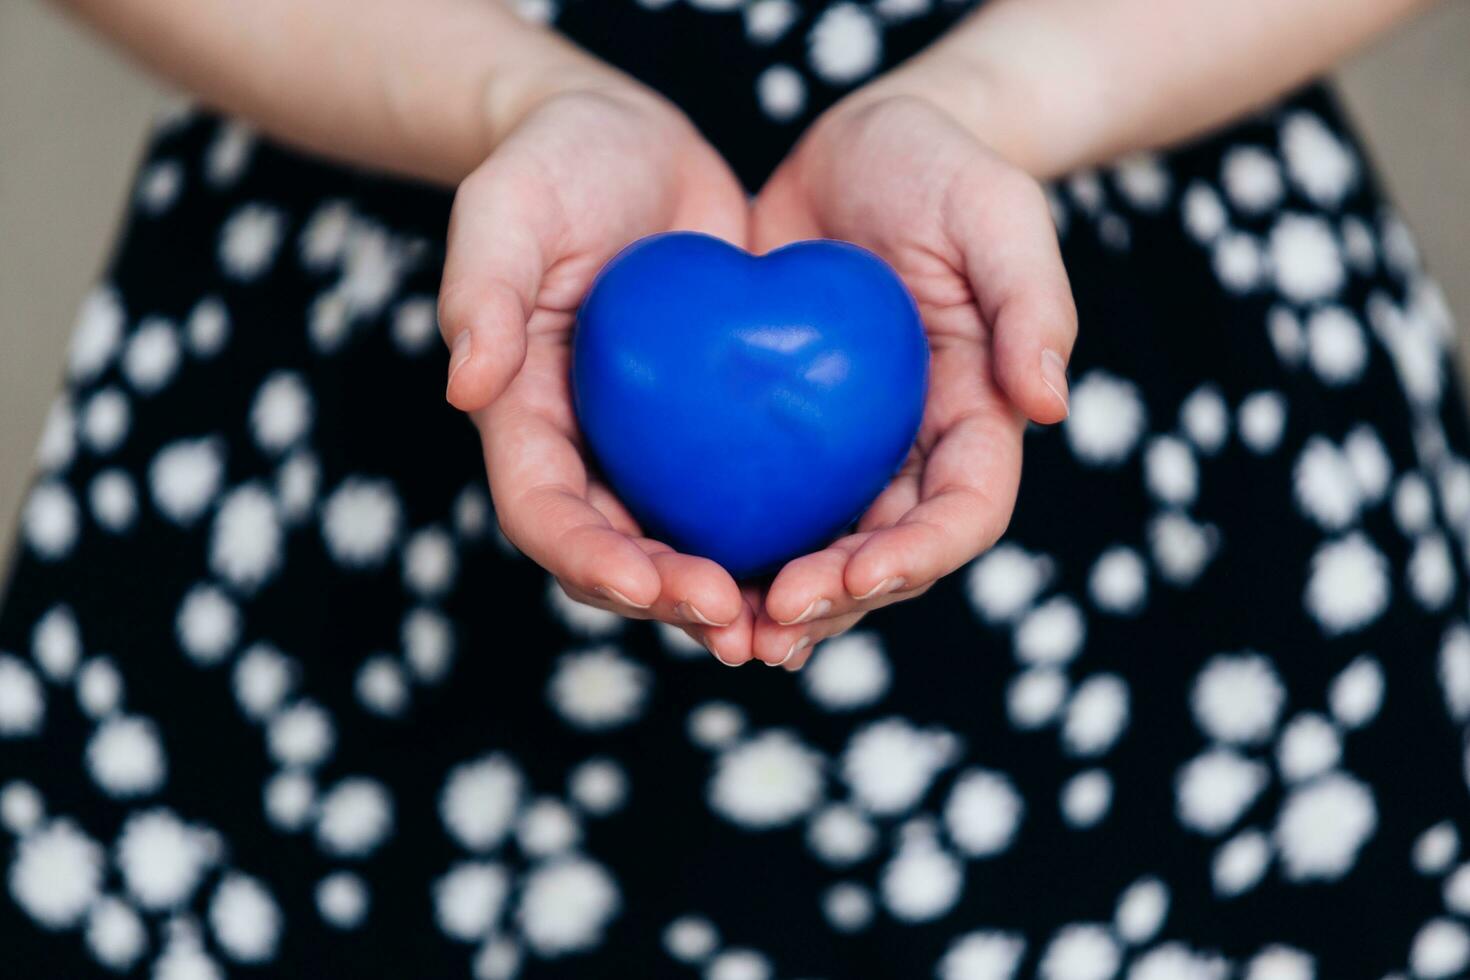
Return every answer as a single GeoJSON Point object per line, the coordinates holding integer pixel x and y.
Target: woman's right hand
{"type": "Point", "coordinates": [575, 178]}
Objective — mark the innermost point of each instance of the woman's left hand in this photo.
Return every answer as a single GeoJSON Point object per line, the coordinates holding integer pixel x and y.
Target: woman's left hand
{"type": "Point", "coordinates": [973, 238]}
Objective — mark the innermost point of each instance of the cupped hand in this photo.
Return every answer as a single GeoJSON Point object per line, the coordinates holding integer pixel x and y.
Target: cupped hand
{"type": "Point", "coordinates": [972, 237]}
{"type": "Point", "coordinates": [578, 177]}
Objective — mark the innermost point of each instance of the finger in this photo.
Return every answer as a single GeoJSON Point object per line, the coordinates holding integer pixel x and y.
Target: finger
{"type": "Point", "coordinates": [609, 506]}
{"type": "Point", "coordinates": [810, 587]}
{"type": "Point", "coordinates": [777, 642]}
{"type": "Point", "coordinates": [731, 645]}
{"type": "Point", "coordinates": [817, 633]}
{"type": "Point", "coordinates": [1005, 231]}
{"type": "Point", "coordinates": [898, 498]}
{"type": "Point", "coordinates": [539, 483]}
{"type": "Point", "coordinates": [496, 257]}
{"type": "Point", "coordinates": [696, 591]}
{"type": "Point", "coordinates": [969, 490]}
{"type": "Point", "coordinates": [780, 214]}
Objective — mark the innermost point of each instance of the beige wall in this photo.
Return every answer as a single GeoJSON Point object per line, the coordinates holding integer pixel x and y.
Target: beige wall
{"type": "Point", "coordinates": [72, 117]}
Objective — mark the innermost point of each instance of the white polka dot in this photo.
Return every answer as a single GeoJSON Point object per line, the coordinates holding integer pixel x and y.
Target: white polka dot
{"type": "Point", "coordinates": [158, 186]}
{"type": "Point", "coordinates": [1085, 187]}
{"type": "Point", "coordinates": [115, 934]}
{"type": "Point", "coordinates": [56, 874]}
{"type": "Point", "coordinates": [1170, 471]}
{"type": "Point", "coordinates": [248, 241]}
{"type": "Point", "coordinates": [21, 807]}
{"type": "Point", "coordinates": [245, 543]}
{"type": "Point", "coordinates": [415, 324]}
{"type": "Point", "coordinates": [922, 882]}
{"type": "Point", "coordinates": [281, 412]}
{"type": "Point", "coordinates": [1336, 347]}
{"type": "Point", "coordinates": [289, 799]}
{"type": "Point", "coordinates": [324, 239]}
{"type": "Point", "coordinates": [1118, 582]}
{"type": "Point", "coordinates": [844, 44]}
{"type": "Point", "coordinates": [847, 672]}
{"type": "Point", "coordinates": [263, 677]}
{"type": "Point", "coordinates": [1309, 746]}
{"type": "Point", "coordinates": [982, 813]}
{"type": "Point", "coordinates": [163, 859]}
{"type": "Point", "coordinates": [982, 956]}
{"type": "Point", "coordinates": [480, 800]}
{"type": "Point", "coordinates": [890, 764]}
{"type": "Point", "coordinates": [1080, 952]}
{"type": "Point", "coordinates": [1457, 890]}
{"type": "Point", "coordinates": [1205, 419]}
{"type": "Point", "coordinates": [96, 336]}
{"type": "Point", "coordinates": [1215, 788]}
{"type": "Point", "coordinates": [1305, 258]}
{"type": "Point", "coordinates": [1106, 419]}
{"type": "Point", "coordinates": [598, 786]}
{"type": "Point", "coordinates": [547, 827]}
{"type": "Point", "coordinates": [428, 644]}
{"type": "Point", "coordinates": [1324, 485]}
{"type": "Point", "coordinates": [381, 686]}
{"type": "Point", "coordinates": [1287, 335]}
{"type": "Point", "coordinates": [1432, 572]}
{"type": "Point", "coordinates": [840, 835]}
{"type": "Point", "coordinates": [228, 153]}
{"type": "Point", "coordinates": [498, 958]}
{"type": "Point", "coordinates": [1281, 963]}
{"type": "Point", "coordinates": [1238, 261]}
{"type": "Point", "coordinates": [781, 92]}
{"type": "Point", "coordinates": [1143, 180]}
{"type": "Point", "coordinates": [1436, 848]}
{"type": "Point", "coordinates": [245, 919]}
{"type": "Point", "coordinates": [360, 522]}
{"type": "Point", "coordinates": [738, 964]}
{"type": "Point", "coordinates": [22, 703]}
{"type": "Point", "coordinates": [342, 899]}
{"type": "Point", "coordinates": [1181, 548]}
{"type": "Point", "coordinates": [301, 735]}
{"type": "Point", "coordinates": [1096, 715]}
{"type": "Point", "coordinates": [1086, 797]}
{"type": "Point", "coordinates": [1322, 825]}
{"type": "Point", "coordinates": [208, 328]}
{"type": "Point", "coordinates": [1141, 911]}
{"type": "Point", "coordinates": [1262, 419]}
{"type": "Point", "coordinates": [767, 781]}
{"type": "Point", "coordinates": [848, 907]}
{"type": "Point", "coordinates": [1252, 179]}
{"type": "Point", "coordinates": [1176, 961]}
{"type": "Point", "coordinates": [767, 20]}
{"type": "Point", "coordinates": [185, 476]}
{"type": "Point", "coordinates": [151, 356]}
{"type": "Point", "coordinates": [580, 618]}
{"type": "Point", "coordinates": [49, 521]}
{"type": "Point", "coordinates": [691, 939]}
{"type": "Point", "coordinates": [469, 899]}
{"type": "Point", "coordinates": [58, 444]}
{"type": "Point", "coordinates": [1240, 862]}
{"type": "Point", "coordinates": [56, 643]}
{"type": "Point", "coordinates": [105, 419]}
{"type": "Point", "coordinates": [716, 724]}
{"type": "Point", "coordinates": [598, 689]}
{"type": "Point", "coordinates": [183, 956]}
{"type": "Point", "coordinates": [1204, 214]}
{"type": "Point", "coordinates": [429, 562]}
{"type": "Point", "coordinates": [355, 817]}
{"type": "Point", "coordinates": [1035, 697]}
{"type": "Point", "coordinates": [1358, 245]}
{"type": "Point", "coordinates": [1348, 585]}
{"type": "Point", "coordinates": [1440, 949]}
{"type": "Point", "coordinates": [1320, 164]}
{"type": "Point", "coordinates": [1004, 582]}
{"type": "Point", "coordinates": [1413, 507]}
{"type": "Point", "coordinates": [1050, 634]}
{"type": "Point", "coordinates": [125, 757]}
{"type": "Point", "coordinates": [114, 501]}
{"type": "Point", "coordinates": [208, 624]}
{"type": "Point", "coordinates": [564, 906]}
{"type": "Point", "coordinates": [1369, 461]}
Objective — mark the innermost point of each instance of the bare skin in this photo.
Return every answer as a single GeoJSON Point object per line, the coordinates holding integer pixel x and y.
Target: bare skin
{"type": "Point", "coordinates": [932, 165]}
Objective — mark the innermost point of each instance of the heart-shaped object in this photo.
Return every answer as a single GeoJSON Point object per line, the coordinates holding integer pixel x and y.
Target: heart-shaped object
{"type": "Point", "coordinates": [747, 408]}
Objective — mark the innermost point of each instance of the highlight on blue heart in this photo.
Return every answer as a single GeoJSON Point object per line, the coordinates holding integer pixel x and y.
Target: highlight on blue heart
{"type": "Point", "coordinates": [748, 408]}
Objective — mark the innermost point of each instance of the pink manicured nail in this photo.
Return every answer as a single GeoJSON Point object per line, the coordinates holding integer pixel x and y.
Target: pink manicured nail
{"type": "Point", "coordinates": [1054, 376]}
{"type": "Point", "coordinates": [815, 609]}
{"type": "Point", "coordinates": [459, 354]}
{"type": "Point", "coordinates": [617, 596]}
{"type": "Point", "coordinates": [688, 610]}
{"type": "Point", "coordinates": [796, 648]}
{"type": "Point", "coordinates": [883, 588]}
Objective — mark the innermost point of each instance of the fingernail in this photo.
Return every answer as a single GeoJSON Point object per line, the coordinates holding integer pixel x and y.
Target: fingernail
{"type": "Point", "coordinates": [688, 610]}
{"type": "Point", "coordinates": [1054, 376]}
{"type": "Point", "coordinates": [617, 596]}
{"type": "Point", "coordinates": [796, 648]}
{"type": "Point", "coordinates": [716, 654]}
{"type": "Point", "coordinates": [815, 609]}
{"type": "Point", "coordinates": [884, 587]}
{"type": "Point", "coordinates": [459, 354]}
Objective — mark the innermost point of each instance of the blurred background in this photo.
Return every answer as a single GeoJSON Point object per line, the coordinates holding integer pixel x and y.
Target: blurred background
{"type": "Point", "coordinates": [73, 116]}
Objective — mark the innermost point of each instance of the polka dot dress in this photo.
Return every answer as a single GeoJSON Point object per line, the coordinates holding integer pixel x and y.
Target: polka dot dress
{"type": "Point", "coordinates": [276, 699]}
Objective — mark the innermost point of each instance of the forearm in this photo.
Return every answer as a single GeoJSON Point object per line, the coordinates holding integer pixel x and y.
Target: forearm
{"type": "Point", "coordinates": [1060, 84]}
{"type": "Point", "coordinates": [417, 87]}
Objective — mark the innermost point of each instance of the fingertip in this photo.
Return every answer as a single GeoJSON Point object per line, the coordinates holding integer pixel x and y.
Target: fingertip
{"type": "Point", "coordinates": [1034, 378]}
{"type": "Point", "coordinates": [487, 346]}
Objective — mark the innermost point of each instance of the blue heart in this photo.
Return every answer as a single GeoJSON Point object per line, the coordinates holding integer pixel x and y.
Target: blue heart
{"type": "Point", "coordinates": [748, 409]}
